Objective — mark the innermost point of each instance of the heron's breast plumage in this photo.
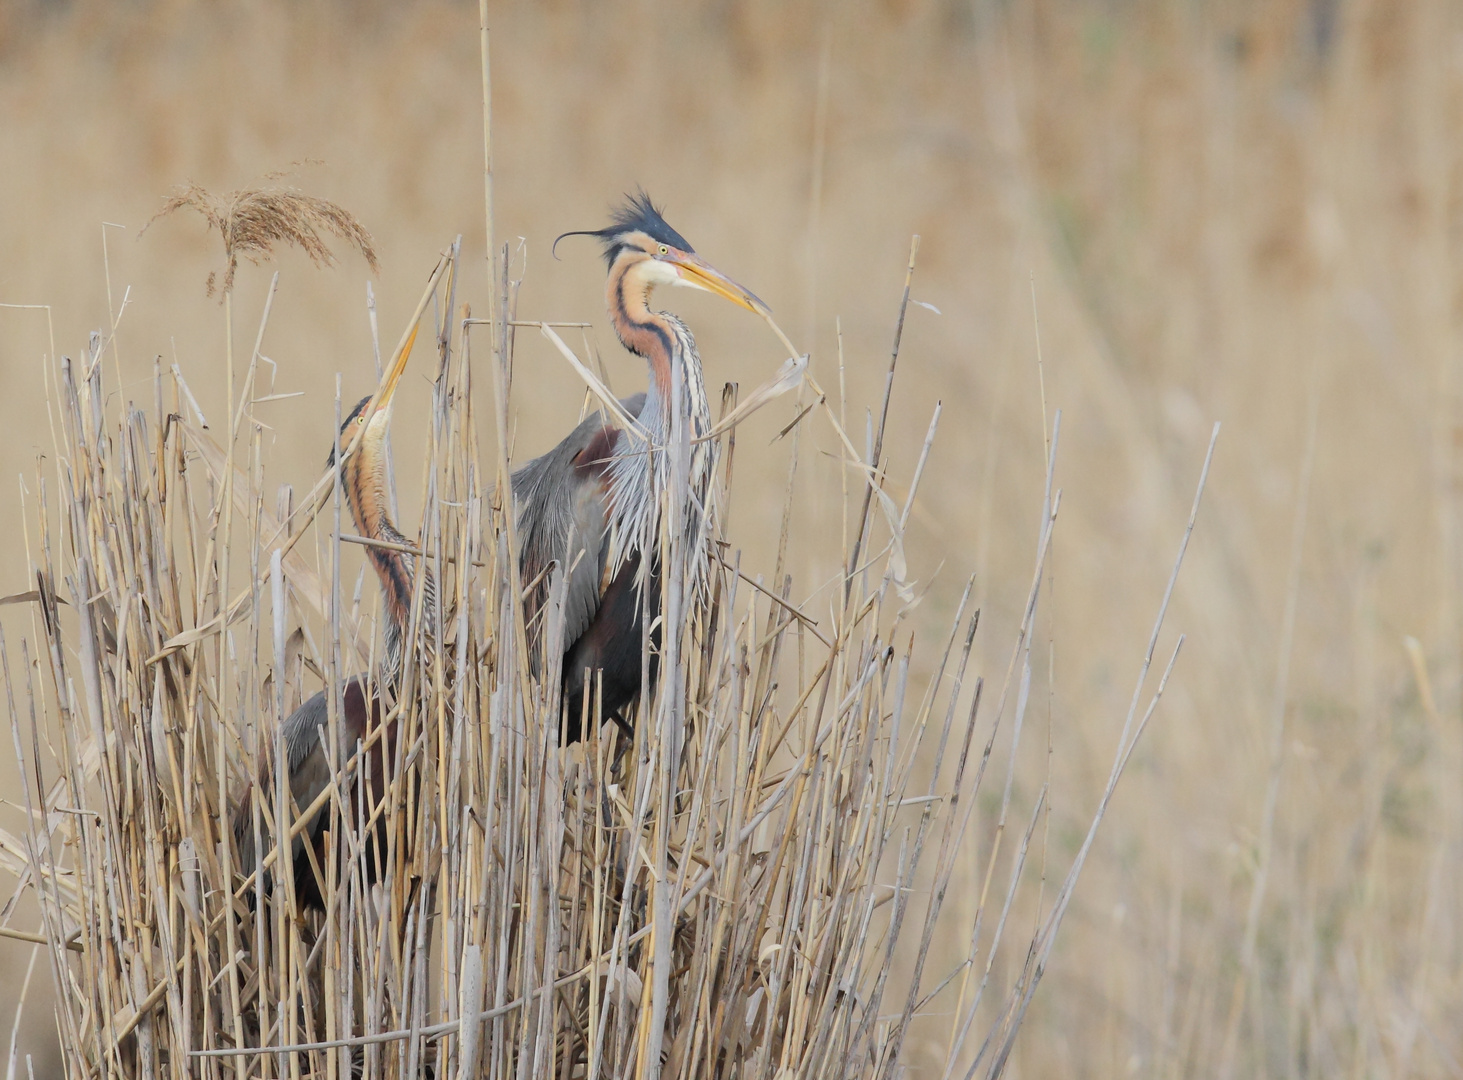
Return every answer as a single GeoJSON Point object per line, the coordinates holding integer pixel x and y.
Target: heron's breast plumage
{"type": "Point", "coordinates": [641, 476]}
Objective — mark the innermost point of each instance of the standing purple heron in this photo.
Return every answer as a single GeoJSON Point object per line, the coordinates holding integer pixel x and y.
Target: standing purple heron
{"type": "Point", "coordinates": [593, 503]}
{"type": "Point", "coordinates": [308, 765]}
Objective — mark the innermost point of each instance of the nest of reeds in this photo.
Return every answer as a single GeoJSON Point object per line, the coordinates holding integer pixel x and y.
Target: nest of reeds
{"type": "Point", "coordinates": [752, 885]}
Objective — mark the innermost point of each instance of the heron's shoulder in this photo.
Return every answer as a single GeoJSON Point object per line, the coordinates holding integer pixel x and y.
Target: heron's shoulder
{"type": "Point", "coordinates": [302, 727]}
{"type": "Point", "coordinates": [589, 444]}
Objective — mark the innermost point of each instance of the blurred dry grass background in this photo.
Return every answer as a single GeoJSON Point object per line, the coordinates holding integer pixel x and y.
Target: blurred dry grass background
{"type": "Point", "coordinates": [1237, 211]}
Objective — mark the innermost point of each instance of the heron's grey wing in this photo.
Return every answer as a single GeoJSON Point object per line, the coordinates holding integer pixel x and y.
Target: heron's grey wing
{"type": "Point", "coordinates": [563, 515]}
{"type": "Point", "coordinates": [306, 765]}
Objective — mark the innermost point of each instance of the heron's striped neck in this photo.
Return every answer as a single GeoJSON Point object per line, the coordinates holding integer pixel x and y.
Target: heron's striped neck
{"type": "Point", "coordinates": [396, 570]}
{"type": "Point", "coordinates": [641, 472]}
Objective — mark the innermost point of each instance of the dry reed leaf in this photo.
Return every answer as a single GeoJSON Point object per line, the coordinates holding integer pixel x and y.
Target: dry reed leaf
{"type": "Point", "coordinates": [253, 220]}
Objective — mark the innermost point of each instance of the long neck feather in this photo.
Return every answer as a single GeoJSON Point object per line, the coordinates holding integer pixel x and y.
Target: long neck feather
{"type": "Point", "coordinates": [640, 473]}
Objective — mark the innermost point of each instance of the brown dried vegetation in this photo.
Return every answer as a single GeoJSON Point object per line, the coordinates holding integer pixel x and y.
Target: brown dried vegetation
{"type": "Point", "coordinates": [253, 220]}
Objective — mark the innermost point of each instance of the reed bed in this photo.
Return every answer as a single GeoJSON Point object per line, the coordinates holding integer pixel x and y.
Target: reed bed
{"type": "Point", "coordinates": [749, 886]}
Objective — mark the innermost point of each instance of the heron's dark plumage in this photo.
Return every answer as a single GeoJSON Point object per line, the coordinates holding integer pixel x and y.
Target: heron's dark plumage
{"type": "Point", "coordinates": [638, 213]}
{"type": "Point", "coordinates": [563, 500]}
{"type": "Point", "coordinates": [308, 770]}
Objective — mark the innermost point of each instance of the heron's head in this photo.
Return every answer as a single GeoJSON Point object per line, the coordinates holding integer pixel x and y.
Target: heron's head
{"type": "Point", "coordinates": [372, 426]}
{"type": "Point", "coordinates": [642, 250]}
{"type": "Point", "coordinates": [373, 430]}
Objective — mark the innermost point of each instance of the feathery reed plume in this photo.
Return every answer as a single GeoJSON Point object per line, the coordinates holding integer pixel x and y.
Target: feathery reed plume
{"type": "Point", "coordinates": [252, 220]}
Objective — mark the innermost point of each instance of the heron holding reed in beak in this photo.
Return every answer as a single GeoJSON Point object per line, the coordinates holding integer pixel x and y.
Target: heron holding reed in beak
{"type": "Point", "coordinates": [593, 504]}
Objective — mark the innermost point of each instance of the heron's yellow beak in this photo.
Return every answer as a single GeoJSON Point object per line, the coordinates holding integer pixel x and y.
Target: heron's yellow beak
{"type": "Point", "coordinates": [388, 387]}
{"type": "Point", "coordinates": [700, 275]}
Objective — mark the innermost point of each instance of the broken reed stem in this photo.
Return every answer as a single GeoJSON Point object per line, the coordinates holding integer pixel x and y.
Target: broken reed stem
{"type": "Point", "coordinates": [709, 897]}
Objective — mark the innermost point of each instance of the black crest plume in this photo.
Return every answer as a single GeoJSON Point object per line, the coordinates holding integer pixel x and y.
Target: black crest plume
{"type": "Point", "coordinates": [636, 214]}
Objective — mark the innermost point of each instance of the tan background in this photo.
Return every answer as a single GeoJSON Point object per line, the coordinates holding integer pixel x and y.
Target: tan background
{"type": "Point", "coordinates": [1228, 211]}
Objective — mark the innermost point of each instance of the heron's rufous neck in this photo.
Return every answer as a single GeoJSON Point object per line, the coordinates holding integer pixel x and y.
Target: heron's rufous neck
{"type": "Point", "coordinates": [366, 490]}
{"type": "Point", "coordinates": [644, 332]}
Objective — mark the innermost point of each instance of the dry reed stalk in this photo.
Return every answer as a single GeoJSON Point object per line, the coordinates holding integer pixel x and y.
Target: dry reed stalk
{"type": "Point", "coordinates": [733, 891]}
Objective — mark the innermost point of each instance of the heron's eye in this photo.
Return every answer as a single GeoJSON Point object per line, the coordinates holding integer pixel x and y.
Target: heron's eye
{"type": "Point", "coordinates": [664, 249]}
{"type": "Point", "coordinates": [360, 419]}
